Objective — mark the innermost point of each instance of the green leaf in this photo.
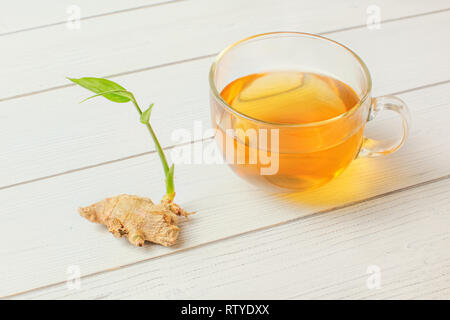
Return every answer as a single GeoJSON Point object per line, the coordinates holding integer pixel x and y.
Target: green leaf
{"type": "Point", "coordinates": [117, 93]}
{"type": "Point", "coordinates": [101, 86]}
{"type": "Point", "coordinates": [106, 93]}
{"type": "Point", "coordinates": [145, 116]}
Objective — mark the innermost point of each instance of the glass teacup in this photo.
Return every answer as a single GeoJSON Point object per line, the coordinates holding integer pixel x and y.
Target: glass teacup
{"type": "Point", "coordinates": [292, 155]}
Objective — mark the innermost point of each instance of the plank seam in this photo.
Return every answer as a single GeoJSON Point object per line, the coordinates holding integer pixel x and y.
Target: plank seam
{"type": "Point", "coordinates": [389, 20]}
{"type": "Point", "coordinates": [49, 25]}
{"type": "Point", "coordinates": [158, 66]}
{"type": "Point", "coordinates": [306, 217]}
{"type": "Point", "coordinates": [138, 155]}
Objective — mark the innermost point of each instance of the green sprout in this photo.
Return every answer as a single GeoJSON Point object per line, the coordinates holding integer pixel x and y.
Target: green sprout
{"type": "Point", "coordinates": [116, 93]}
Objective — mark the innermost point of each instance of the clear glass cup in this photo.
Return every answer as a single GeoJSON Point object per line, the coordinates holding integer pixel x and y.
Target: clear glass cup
{"type": "Point", "coordinates": [310, 154]}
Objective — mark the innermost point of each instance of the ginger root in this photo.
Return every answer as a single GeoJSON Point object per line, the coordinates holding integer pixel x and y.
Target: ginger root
{"type": "Point", "coordinates": [137, 218]}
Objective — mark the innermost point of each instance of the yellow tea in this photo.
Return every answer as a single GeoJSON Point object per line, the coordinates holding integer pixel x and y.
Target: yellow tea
{"type": "Point", "coordinates": [298, 105]}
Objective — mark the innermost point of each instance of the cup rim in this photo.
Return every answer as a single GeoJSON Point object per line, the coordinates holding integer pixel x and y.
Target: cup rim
{"type": "Point", "coordinates": [279, 124]}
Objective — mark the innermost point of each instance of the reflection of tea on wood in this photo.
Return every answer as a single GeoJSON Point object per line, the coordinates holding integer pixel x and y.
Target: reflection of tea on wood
{"type": "Point", "coordinates": [309, 155]}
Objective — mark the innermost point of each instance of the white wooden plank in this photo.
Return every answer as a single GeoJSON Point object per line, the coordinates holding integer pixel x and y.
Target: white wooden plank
{"type": "Point", "coordinates": [42, 58]}
{"type": "Point", "coordinates": [64, 135]}
{"type": "Point", "coordinates": [405, 235]}
{"type": "Point", "coordinates": [45, 235]}
{"type": "Point", "coordinates": [21, 15]}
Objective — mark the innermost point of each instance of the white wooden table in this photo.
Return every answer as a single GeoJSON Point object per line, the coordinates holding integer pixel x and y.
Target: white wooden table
{"type": "Point", "coordinates": [387, 218]}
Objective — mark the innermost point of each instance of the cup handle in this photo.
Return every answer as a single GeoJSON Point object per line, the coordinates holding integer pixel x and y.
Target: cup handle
{"type": "Point", "coordinates": [374, 148]}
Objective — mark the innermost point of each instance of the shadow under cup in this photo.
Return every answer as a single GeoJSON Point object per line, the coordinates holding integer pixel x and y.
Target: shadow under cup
{"type": "Point", "coordinates": [293, 156]}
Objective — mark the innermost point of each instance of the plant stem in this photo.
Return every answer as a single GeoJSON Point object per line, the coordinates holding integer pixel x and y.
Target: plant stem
{"type": "Point", "coordinates": [119, 94]}
{"type": "Point", "coordinates": [170, 190]}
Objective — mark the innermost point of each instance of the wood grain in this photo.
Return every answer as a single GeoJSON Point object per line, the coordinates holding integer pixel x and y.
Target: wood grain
{"type": "Point", "coordinates": [326, 256]}
{"type": "Point", "coordinates": [392, 212]}
{"type": "Point", "coordinates": [51, 133]}
{"type": "Point", "coordinates": [23, 15]}
{"type": "Point", "coordinates": [134, 40]}
{"type": "Point", "coordinates": [56, 237]}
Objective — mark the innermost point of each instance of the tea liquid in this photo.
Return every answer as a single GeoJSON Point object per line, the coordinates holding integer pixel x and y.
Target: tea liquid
{"type": "Point", "coordinates": [308, 156]}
